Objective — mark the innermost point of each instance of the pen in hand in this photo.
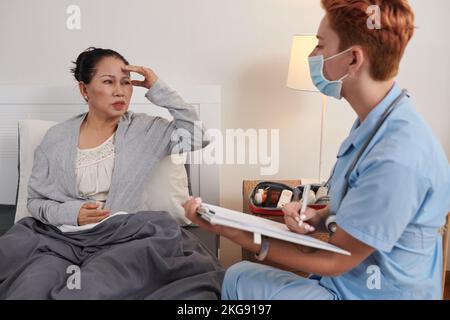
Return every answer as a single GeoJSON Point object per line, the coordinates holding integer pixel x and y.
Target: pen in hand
{"type": "Point", "coordinates": [305, 196]}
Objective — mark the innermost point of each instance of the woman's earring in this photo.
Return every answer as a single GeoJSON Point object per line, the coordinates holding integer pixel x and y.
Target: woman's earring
{"type": "Point", "coordinates": [86, 98]}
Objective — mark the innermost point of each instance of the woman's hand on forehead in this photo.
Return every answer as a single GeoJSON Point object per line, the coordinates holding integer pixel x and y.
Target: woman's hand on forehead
{"type": "Point", "coordinates": [149, 76]}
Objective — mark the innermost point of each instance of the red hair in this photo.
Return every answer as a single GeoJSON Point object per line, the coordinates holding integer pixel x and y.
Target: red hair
{"type": "Point", "coordinates": [384, 46]}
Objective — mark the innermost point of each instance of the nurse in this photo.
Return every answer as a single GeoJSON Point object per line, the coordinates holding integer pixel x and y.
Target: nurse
{"type": "Point", "coordinates": [389, 189]}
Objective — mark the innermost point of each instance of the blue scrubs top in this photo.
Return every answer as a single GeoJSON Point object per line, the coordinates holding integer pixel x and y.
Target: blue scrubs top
{"type": "Point", "coordinates": [398, 198]}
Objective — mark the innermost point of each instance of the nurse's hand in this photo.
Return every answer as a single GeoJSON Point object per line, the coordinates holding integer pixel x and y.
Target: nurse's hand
{"type": "Point", "coordinates": [89, 214]}
{"type": "Point", "coordinates": [190, 211]}
{"type": "Point", "coordinates": [292, 218]}
{"type": "Point", "coordinates": [149, 76]}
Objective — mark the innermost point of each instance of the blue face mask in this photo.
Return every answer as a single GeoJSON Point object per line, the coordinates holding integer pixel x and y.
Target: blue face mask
{"type": "Point", "coordinates": [327, 87]}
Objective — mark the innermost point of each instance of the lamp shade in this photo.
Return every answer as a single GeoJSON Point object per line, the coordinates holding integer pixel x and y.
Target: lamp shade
{"type": "Point", "coordinates": [299, 76]}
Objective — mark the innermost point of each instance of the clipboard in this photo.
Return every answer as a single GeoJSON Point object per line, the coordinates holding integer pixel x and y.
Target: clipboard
{"type": "Point", "coordinates": [260, 226]}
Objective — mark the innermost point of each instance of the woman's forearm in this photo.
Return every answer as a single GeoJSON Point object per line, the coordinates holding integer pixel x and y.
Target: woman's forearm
{"type": "Point", "coordinates": [38, 203]}
{"type": "Point", "coordinates": [53, 212]}
{"type": "Point", "coordinates": [185, 117]}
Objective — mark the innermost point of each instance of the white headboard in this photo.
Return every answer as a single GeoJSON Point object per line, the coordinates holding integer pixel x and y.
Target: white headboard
{"type": "Point", "coordinates": [58, 103]}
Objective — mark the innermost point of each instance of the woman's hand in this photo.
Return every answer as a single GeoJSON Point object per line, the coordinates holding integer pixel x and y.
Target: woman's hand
{"type": "Point", "coordinates": [292, 218]}
{"type": "Point", "coordinates": [89, 214]}
{"type": "Point", "coordinates": [149, 76]}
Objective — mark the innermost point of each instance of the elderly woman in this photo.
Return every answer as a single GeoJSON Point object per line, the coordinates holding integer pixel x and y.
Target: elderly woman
{"type": "Point", "coordinates": [91, 167]}
{"type": "Point", "coordinates": [96, 164]}
{"type": "Point", "coordinates": [389, 189]}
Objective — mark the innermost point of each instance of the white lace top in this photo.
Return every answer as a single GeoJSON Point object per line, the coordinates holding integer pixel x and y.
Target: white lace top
{"type": "Point", "coordinates": [94, 169]}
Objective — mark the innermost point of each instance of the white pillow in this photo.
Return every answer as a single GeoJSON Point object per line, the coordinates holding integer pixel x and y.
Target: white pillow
{"type": "Point", "coordinates": [167, 188]}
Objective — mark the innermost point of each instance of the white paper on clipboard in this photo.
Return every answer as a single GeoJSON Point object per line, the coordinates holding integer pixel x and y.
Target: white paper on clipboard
{"type": "Point", "coordinates": [261, 226]}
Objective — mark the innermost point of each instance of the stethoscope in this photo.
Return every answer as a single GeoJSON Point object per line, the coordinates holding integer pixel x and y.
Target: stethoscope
{"type": "Point", "coordinates": [330, 222]}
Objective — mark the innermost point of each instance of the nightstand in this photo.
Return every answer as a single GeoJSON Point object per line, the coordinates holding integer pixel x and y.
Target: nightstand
{"type": "Point", "coordinates": [247, 187]}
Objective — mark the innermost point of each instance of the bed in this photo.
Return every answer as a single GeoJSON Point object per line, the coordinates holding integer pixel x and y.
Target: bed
{"type": "Point", "coordinates": [17, 104]}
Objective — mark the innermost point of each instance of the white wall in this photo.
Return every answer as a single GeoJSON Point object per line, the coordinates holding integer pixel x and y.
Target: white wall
{"type": "Point", "coordinates": [242, 45]}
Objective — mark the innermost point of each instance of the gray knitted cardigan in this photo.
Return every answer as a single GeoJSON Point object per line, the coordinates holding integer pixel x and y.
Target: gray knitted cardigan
{"type": "Point", "coordinates": [140, 142]}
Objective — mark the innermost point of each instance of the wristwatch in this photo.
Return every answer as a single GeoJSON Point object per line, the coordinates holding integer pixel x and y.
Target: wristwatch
{"type": "Point", "coordinates": [264, 250]}
{"type": "Point", "coordinates": [330, 223]}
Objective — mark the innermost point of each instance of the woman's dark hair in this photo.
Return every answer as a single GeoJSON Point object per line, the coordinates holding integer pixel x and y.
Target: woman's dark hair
{"type": "Point", "coordinates": [86, 62]}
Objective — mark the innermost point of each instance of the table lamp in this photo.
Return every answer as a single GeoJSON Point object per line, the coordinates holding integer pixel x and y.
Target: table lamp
{"type": "Point", "coordinates": [299, 77]}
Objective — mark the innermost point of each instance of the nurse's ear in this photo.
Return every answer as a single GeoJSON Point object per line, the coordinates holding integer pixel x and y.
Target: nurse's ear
{"type": "Point", "coordinates": [357, 61]}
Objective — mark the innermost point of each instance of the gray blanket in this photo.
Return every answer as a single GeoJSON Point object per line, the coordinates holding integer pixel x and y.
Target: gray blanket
{"type": "Point", "coordinates": [137, 256]}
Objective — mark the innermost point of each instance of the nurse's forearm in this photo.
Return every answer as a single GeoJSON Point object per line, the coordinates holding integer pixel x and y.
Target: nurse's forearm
{"type": "Point", "coordinates": [309, 260]}
{"type": "Point", "coordinates": [301, 258]}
